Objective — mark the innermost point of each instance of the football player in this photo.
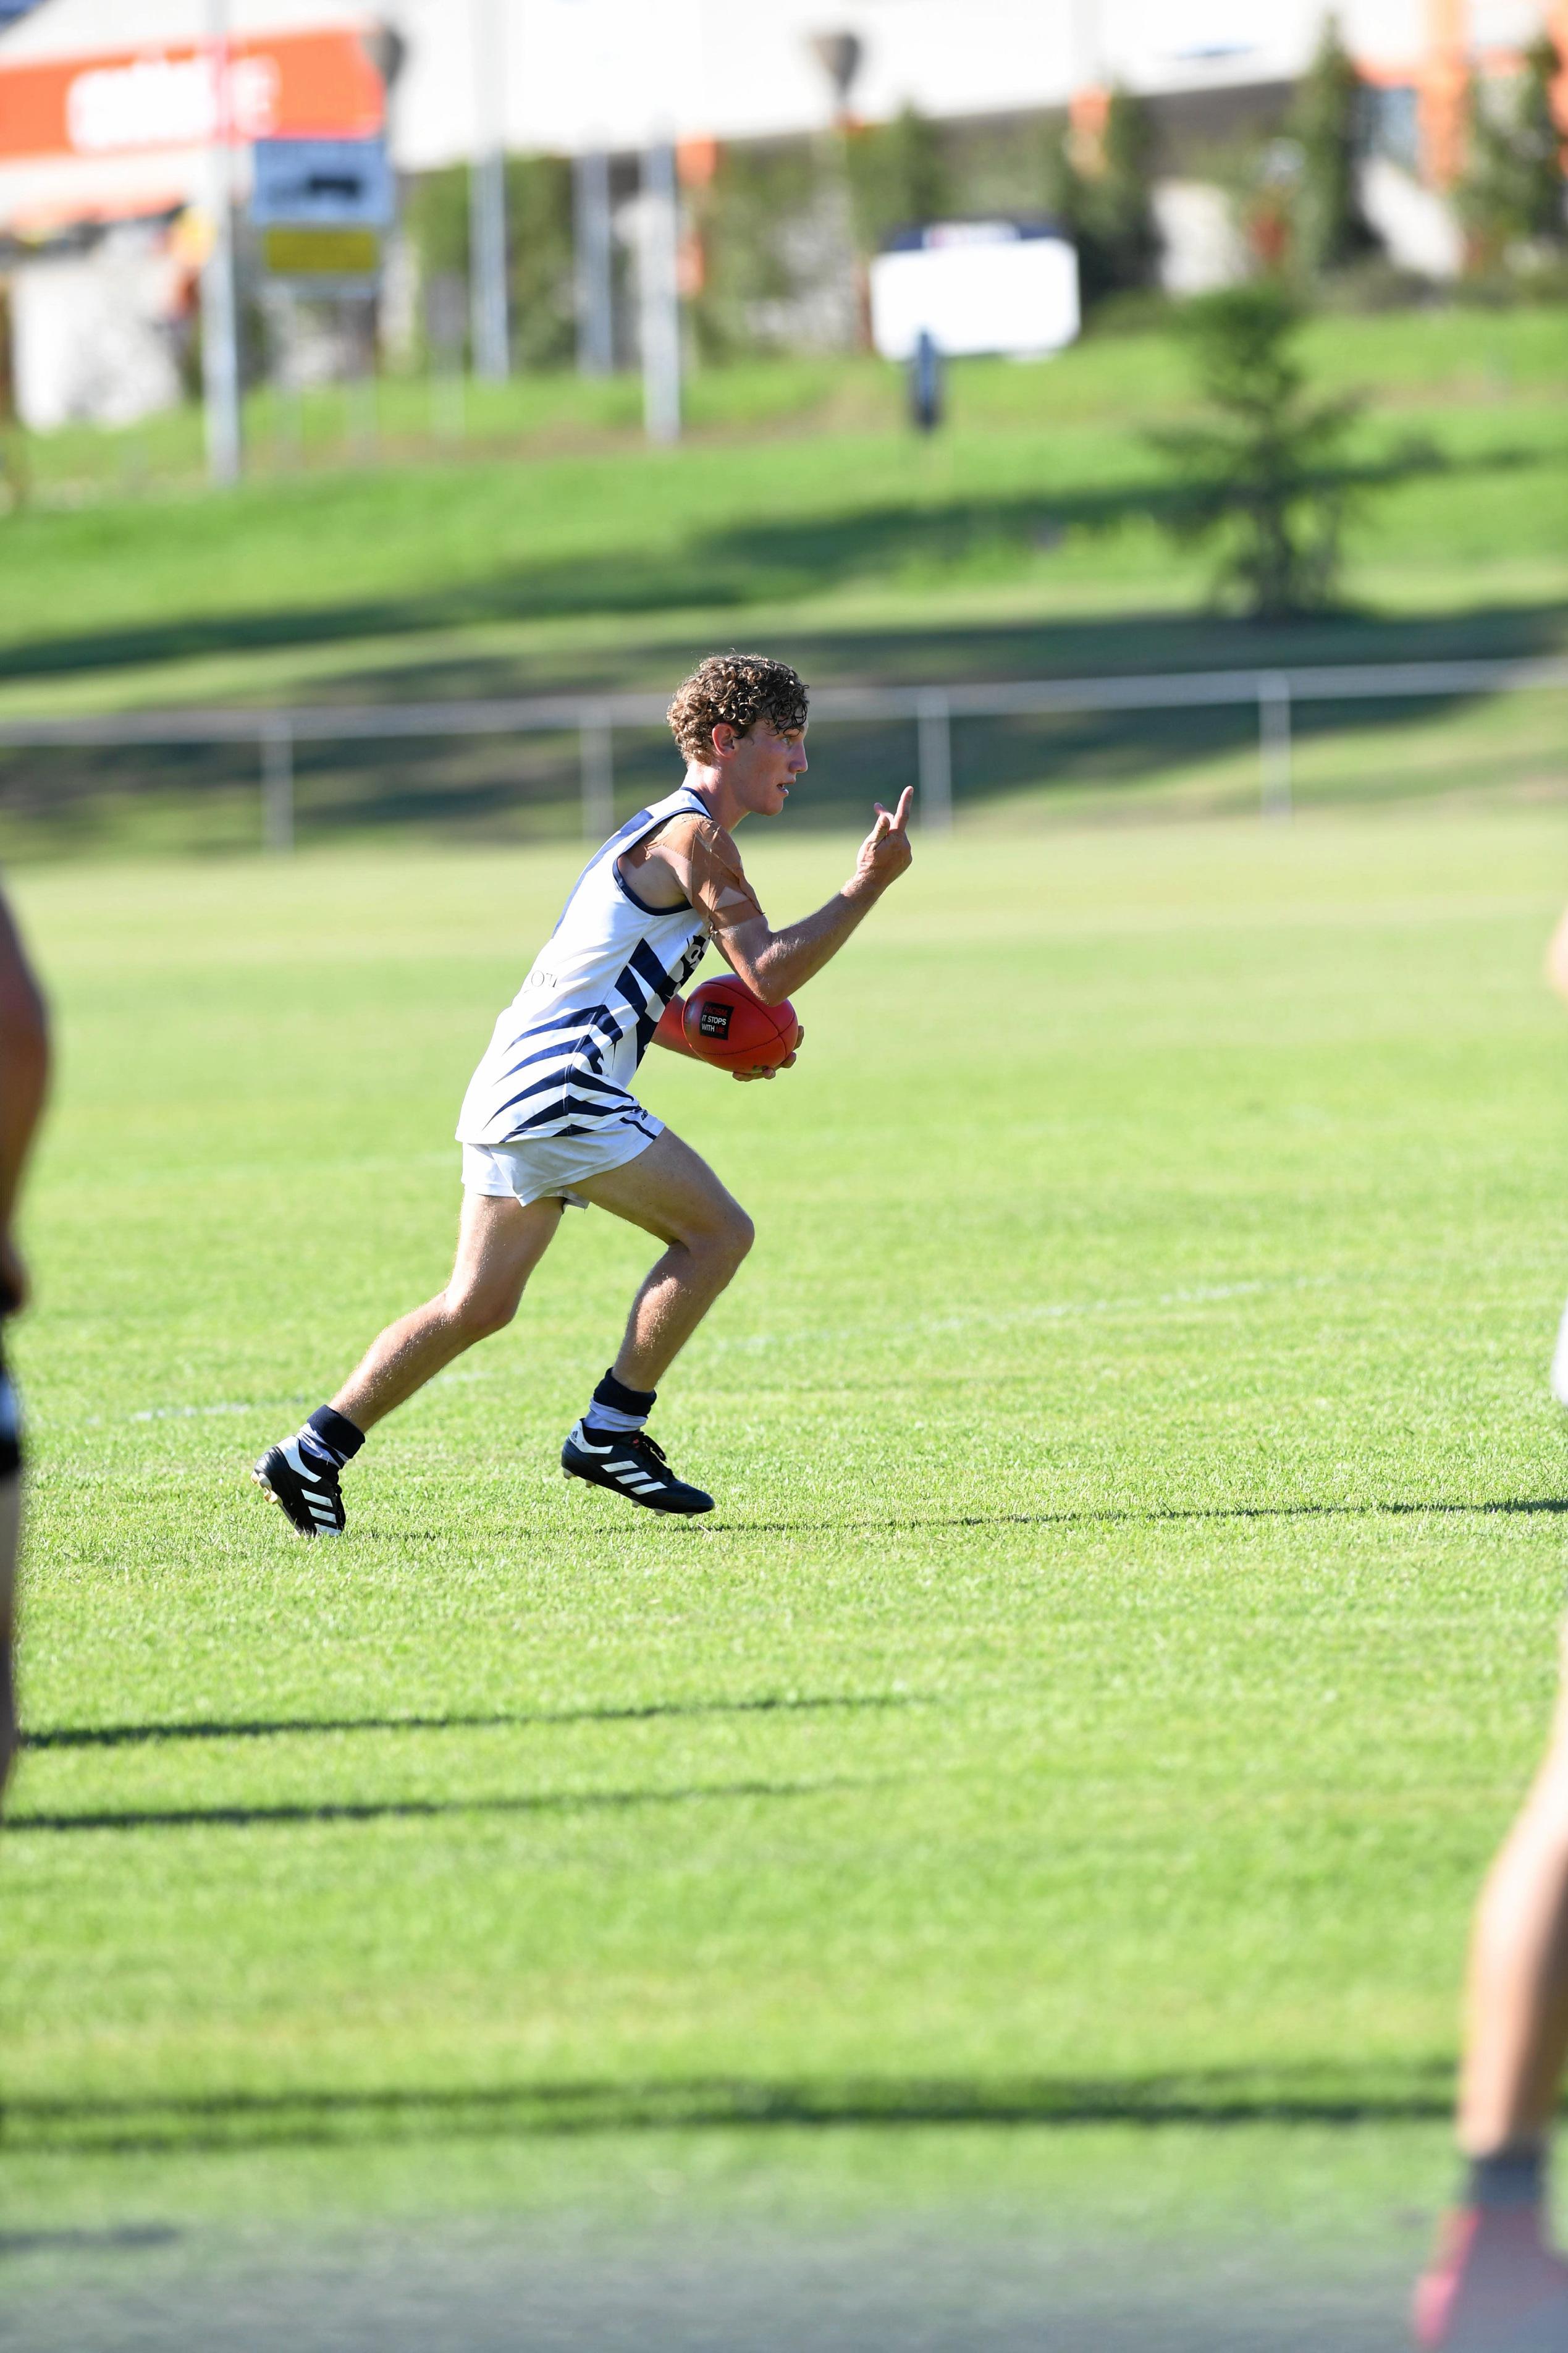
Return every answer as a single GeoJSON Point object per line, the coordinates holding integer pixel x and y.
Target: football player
{"type": "Point", "coordinates": [550, 1120]}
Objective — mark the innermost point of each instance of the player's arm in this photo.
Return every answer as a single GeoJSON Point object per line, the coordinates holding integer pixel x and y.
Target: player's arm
{"type": "Point", "coordinates": [775, 964]}
{"type": "Point", "coordinates": [671, 1031]}
{"type": "Point", "coordinates": [1557, 957]}
{"type": "Point", "coordinates": [24, 1079]}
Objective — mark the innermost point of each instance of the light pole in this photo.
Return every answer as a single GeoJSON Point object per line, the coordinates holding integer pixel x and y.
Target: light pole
{"type": "Point", "coordinates": [220, 334]}
{"type": "Point", "coordinates": [487, 197]}
{"type": "Point", "coordinates": [659, 262]}
{"type": "Point", "coordinates": [595, 313]}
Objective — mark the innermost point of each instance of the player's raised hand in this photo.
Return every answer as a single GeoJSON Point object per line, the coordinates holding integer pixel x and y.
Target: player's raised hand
{"type": "Point", "coordinates": [885, 850]}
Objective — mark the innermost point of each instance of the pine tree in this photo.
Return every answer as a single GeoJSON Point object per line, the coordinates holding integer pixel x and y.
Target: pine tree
{"type": "Point", "coordinates": [1330, 228]}
{"type": "Point", "coordinates": [1513, 190]}
{"type": "Point", "coordinates": [899, 176]}
{"type": "Point", "coordinates": [1267, 479]}
{"type": "Point", "coordinates": [1108, 211]}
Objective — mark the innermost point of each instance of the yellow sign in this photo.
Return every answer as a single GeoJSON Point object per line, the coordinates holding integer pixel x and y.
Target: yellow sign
{"type": "Point", "coordinates": [321, 252]}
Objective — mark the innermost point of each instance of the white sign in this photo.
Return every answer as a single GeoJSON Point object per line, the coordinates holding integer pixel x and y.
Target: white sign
{"type": "Point", "coordinates": [977, 286]}
{"type": "Point", "coordinates": [167, 102]}
{"type": "Point", "coordinates": [322, 184]}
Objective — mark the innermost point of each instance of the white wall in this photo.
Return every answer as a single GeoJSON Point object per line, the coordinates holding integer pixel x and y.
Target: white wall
{"type": "Point", "coordinates": [91, 345]}
{"type": "Point", "coordinates": [583, 72]}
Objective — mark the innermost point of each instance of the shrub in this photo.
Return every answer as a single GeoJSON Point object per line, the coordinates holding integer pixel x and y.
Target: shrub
{"type": "Point", "coordinates": [1266, 480]}
{"type": "Point", "coordinates": [539, 248]}
{"type": "Point", "coordinates": [899, 176]}
{"type": "Point", "coordinates": [1512, 194]}
{"type": "Point", "coordinates": [1108, 211]}
{"type": "Point", "coordinates": [774, 254]}
{"type": "Point", "coordinates": [1330, 229]}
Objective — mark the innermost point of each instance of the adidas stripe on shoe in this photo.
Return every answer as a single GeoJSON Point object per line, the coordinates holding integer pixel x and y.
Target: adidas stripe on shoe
{"type": "Point", "coordinates": [632, 1464]}
{"type": "Point", "coordinates": [304, 1487]}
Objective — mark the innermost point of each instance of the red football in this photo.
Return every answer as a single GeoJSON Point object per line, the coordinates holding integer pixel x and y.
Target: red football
{"type": "Point", "coordinates": [727, 1024]}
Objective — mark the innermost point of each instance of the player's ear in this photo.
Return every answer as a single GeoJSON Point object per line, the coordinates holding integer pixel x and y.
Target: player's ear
{"type": "Point", "coordinates": [723, 739]}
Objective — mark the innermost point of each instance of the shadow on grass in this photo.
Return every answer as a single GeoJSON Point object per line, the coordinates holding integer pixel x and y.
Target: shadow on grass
{"type": "Point", "coordinates": [769, 559]}
{"type": "Point", "coordinates": [125, 2237]}
{"type": "Point", "coordinates": [560, 1801]}
{"type": "Point", "coordinates": [1417, 2092]}
{"type": "Point", "coordinates": [525, 789]}
{"type": "Point", "coordinates": [1112, 1518]}
{"type": "Point", "coordinates": [123, 1735]}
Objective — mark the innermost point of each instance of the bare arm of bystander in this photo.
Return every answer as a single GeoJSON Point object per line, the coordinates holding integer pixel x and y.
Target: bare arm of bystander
{"type": "Point", "coordinates": [24, 1079]}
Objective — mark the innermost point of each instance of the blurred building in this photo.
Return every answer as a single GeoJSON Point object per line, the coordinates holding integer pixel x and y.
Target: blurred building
{"type": "Point", "coordinates": [107, 108]}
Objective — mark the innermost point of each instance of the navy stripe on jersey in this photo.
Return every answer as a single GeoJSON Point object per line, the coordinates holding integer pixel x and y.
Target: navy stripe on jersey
{"type": "Point", "coordinates": [576, 1060]}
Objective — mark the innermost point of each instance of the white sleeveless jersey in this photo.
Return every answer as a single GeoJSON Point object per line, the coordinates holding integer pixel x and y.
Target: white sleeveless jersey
{"type": "Point", "coordinates": [564, 1054]}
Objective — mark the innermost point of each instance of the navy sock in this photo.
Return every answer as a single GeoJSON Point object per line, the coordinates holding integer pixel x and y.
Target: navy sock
{"type": "Point", "coordinates": [617, 1408]}
{"type": "Point", "coordinates": [334, 1435]}
{"type": "Point", "coordinates": [1514, 2175]}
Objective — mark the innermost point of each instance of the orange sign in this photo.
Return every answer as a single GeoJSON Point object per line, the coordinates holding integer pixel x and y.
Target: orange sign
{"type": "Point", "coordinates": [320, 85]}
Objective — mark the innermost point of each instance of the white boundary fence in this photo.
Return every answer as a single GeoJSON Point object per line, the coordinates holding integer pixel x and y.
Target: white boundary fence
{"type": "Point", "coordinates": [932, 708]}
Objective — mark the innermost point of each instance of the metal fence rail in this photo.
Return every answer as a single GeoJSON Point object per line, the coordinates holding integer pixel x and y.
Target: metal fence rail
{"type": "Point", "coordinates": [930, 708]}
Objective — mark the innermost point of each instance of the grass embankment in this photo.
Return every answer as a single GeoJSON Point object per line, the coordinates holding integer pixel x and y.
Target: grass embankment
{"type": "Point", "coordinates": [1126, 1625]}
{"type": "Point", "coordinates": [801, 513]}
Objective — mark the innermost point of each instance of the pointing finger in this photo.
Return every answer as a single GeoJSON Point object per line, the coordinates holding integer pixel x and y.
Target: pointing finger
{"type": "Point", "coordinates": [905, 800]}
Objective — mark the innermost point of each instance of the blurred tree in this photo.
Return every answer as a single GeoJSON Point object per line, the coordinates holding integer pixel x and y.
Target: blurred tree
{"type": "Point", "coordinates": [539, 248]}
{"type": "Point", "coordinates": [1104, 202]}
{"type": "Point", "coordinates": [541, 260]}
{"type": "Point", "coordinates": [761, 224]}
{"type": "Point", "coordinates": [1513, 191]}
{"type": "Point", "coordinates": [1266, 480]}
{"type": "Point", "coordinates": [899, 176]}
{"type": "Point", "coordinates": [1330, 229]}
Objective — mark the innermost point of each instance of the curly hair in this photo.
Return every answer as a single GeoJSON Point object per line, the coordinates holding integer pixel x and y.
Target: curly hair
{"type": "Point", "coordinates": [740, 688]}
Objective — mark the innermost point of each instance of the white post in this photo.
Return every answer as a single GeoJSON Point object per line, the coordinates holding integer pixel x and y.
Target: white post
{"type": "Point", "coordinates": [220, 331]}
{"type": "Point", "coordinates": [278, 786]}
{"type": "Point", "coordinates": [934, 722]}
{"type": "Point", "coordinates": [659, 287]}
{"type": "Point", "coordinates": [595, 316]}
{"type": "Point", "coordinates": [487, 198]}
{"type": "Point", "coordinates": [596, 751]}
{"type": "Point", "coordinates": [1274, 745]}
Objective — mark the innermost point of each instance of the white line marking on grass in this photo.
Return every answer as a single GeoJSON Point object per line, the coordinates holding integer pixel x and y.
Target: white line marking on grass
{"type": "Point", "coordinates": [200, 1413]}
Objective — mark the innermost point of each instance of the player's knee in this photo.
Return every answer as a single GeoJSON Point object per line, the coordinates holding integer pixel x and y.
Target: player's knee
{"type": "Point", "coordinates": [723, 1241]}
{"type": "Point", "coordinates": [481, 1312]}
{"type": "Point", "coordinates": [739, 1234]}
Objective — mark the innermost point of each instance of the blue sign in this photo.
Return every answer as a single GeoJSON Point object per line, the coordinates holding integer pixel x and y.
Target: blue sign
{"type": "Point", "coordinates": [322, 184]}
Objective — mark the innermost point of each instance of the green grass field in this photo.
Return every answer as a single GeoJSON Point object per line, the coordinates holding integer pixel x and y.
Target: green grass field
{"type": "Point", "coordinates": [1062, 1765]}
{"type": "Point", "coordinates": [555, 549]}
{"type": "Point", "coordinates": [552, 551]}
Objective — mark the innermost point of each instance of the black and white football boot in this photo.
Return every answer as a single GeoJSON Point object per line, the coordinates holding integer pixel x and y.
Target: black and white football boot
{"type": "Point", "coordinates": [304, 1487]}
{"type": "Point", "coordinates": [632, 1464]}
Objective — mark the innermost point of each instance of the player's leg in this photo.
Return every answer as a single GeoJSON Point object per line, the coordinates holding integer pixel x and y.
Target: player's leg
{"type": "Point", "coordinates": [1517, 2028]}
{"type": "Point", "coordinates": [10, 1546]}
{"type": "Point", "coordinates": [501, 1241]}
{"type": "Point", "coordinates": [670, 1193]}
{"type": "Point", "coordinates": [1494, 2269]}
{"type": "Point", "coordinates": [10, 1536]}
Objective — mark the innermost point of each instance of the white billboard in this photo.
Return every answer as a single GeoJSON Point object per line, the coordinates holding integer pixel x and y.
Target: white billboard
{"type": "Point", "coordinates": [975, 286]}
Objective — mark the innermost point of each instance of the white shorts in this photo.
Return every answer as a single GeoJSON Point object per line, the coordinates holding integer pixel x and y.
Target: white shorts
{"type": "Point", "coordinates": [549, 1167]}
